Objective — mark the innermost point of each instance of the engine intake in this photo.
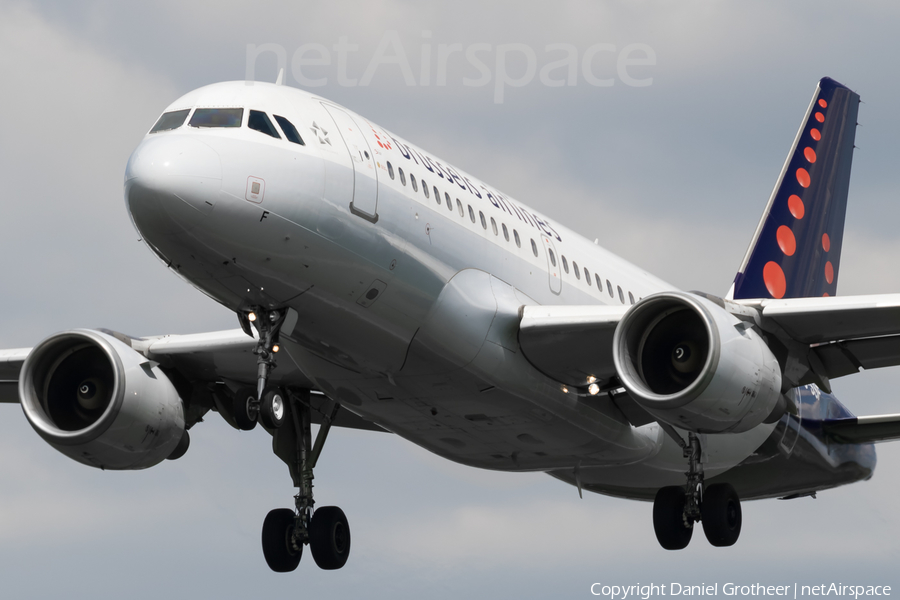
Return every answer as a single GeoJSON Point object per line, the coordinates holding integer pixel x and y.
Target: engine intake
{"type": "Point", "coordinates": [99, 402]}
{"type": "Point", "coordinates": [692, 364]}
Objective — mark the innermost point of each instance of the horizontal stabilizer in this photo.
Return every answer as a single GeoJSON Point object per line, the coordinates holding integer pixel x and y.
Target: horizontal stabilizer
{"type": "Point", "coordinates": [863, 430]}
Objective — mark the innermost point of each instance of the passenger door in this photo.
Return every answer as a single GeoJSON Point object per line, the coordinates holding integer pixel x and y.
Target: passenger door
{"type": "Point", "coordinates": [365, 176]}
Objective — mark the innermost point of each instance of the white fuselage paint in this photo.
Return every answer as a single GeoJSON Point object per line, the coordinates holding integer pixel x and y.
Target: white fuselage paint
{"type": "Point", "coordinates": [433, 355]}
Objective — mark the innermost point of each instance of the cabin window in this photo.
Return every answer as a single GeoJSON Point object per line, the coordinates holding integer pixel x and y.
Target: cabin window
{"type": "Point", "coordinates": [575, 268]}
{"type": "Point", "coordinates": [565, 263]}
{"type": "Point", "coordinates": [609, 289]}
{"type": "Point", "coordinates": [437, 195]}
{"type": "Point", "coordinates": [291, 133]}
{"type": "Point", "coordinates": [599, 283]}
{"type": "Point", "coordinates": [534, 247]}
{"type": "Point", "coordinates": [505, 232]}
{"type": "Point", "coordinates": [471, 213]}
{"type": "Point", "coordinates": [259, 121]}
{"type": "Point", "coordinates": [217, 117]}
{"type": "Point", "coordinates": [621, 295]}
{"type": "Point", "coordinates": [402, 176]}
{"type": "Point", "coordinates": [587, 276]}
{"type": "Point", "coordinates": [412, 182]}
{"type": "Point", "coordinates": [630, 297]}
{"type": "Point", "coordinates": [425, 189]}
{"type": "Point", "coordinates": [171, 120]}
{"type": "Point", "coordinates": [390, 169]}
{"type": "Point", "coordinates": [518, 241]}
{"type": "Point", "coordinates": [483, 221]}
{"type": "Point", "coordinates": [449, 203]}
{"type": "Point", "coordinates": [494, 226]}
{"type": "Point", "coordinates": [552, 257]}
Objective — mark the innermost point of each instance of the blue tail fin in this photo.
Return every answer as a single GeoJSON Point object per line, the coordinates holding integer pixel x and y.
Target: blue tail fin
{"type": "Point", "coordinates": [796, 251]}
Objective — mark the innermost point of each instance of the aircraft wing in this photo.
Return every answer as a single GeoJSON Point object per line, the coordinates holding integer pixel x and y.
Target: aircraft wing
{"type": "Point", "coordinates": [846, 333]}
{"type": "Point", "coordinates": [832, 337]}
{"type": "Point", "coordinates": [201, 357]}
{"type": "Point", "coordinates": [571, 344]}
{"type": "Point", "coordinates": [10, 365]}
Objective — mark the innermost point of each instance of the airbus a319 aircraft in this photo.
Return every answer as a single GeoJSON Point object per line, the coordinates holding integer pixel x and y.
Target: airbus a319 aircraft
{"type": "Point", "coordinates": [379, 287]}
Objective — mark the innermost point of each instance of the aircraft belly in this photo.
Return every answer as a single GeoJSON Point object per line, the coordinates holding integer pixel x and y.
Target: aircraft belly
{"type": "Point", "coordinates": [771, 470]}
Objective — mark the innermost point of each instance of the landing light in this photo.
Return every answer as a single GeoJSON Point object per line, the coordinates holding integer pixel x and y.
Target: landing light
{"type": "Point", "coordinates": [593, 389]}
{"type": "Point", "coordinates": [275, 348]}
{"type": "Point", "coordinates": [591, 379]}
{"type": "Point", "coordinates": [251, 317]}
{"type": "Point", "coordinates": [565, 390]}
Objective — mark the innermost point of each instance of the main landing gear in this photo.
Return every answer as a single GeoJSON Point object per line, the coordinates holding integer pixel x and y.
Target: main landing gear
{"type": "Point", "coordinates": [326, 529]}
{"type": "Point", "coordinates": [676, 508]}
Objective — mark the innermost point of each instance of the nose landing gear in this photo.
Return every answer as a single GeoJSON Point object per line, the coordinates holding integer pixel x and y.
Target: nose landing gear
{"type": "Point", "coordinates": [676, 508]}
{"type": "Point", "coordinates": [266, 402]}
{"type": "Point", "coordinates": [326, 529]}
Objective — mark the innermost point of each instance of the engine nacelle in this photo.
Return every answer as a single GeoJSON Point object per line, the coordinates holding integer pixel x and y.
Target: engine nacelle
{"type": "Point", "coordinates": [692, 364]}
{"type": "Point", "coordinates": [99, 402]}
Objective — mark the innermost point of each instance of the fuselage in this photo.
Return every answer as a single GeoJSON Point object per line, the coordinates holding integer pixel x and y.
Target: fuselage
{"type": "Point", "coordinates": [404, 277]}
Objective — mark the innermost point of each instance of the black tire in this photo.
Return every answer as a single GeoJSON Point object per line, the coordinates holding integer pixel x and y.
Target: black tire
{"type": "Point", "coordinates": [245, 408]}
{"type": "Point", "coordinates": [273, 407]}
{"type": "Point", "coordinates": [281, 556]}
{"type": "Point", "coordinates": [720, 513]}
{"type": "Point", "coordinates": [329, 537]}
{"type": "Point", "coordinates": [668, 518]}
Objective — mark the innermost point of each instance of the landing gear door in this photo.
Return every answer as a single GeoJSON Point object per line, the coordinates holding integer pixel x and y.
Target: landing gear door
{"type": "Point", "coordinates": [365, 177]}
{"type": "Point", "coordinates": [552, 265]}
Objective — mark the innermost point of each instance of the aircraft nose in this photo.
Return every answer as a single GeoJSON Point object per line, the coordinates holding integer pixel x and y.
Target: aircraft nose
{"type": "Point", "coordinates": [171, 183]}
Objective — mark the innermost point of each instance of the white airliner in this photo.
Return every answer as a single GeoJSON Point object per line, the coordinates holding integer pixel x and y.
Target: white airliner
{"type": "Point", "coordinates": [379, 287]}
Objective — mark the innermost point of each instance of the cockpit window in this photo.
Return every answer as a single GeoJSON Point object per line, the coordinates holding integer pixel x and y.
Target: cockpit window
{"type": "Point", "coordinates": [290, 132]}
{"type": "Point", "coordinates": [259, 121]}
{"type": "Point", "coordinates": [217, 117]}
{"type": "Point", "coordinates": [171, 120]}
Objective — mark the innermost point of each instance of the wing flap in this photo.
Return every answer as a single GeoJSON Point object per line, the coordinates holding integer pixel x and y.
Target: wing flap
{"type": "Point", "coordinates": [863, 430]}
{"type": "Point", "coordinates": [846, 358]}
{"type": "Point", "coordinates": [570, 344]}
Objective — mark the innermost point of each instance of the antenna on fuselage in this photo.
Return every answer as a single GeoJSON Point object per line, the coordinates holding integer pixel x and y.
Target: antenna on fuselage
{"type": "Point", "coordinates": [280, 79]}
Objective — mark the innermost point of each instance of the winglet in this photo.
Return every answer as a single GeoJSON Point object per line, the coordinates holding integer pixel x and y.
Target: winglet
{"type": "Point", "coordinates": [796, 251]}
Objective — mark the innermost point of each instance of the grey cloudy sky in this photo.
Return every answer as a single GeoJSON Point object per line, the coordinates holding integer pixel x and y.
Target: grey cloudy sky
{"type": "Point", "coordinates": [673, 176]}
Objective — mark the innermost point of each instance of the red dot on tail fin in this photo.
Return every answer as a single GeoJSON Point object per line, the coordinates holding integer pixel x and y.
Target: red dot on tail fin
{"type": "Point", "coordinates": [795, 205]}
{"type": "Point", "coordinates": [815, 134]}
{"type": "Point", "coordinates": [803, 177]}
{"type": "Point", "coordinates": [826, 242]}
{"type": "Point", "coordinates": [822, 103]}
{"type": "Point", "coordinates": [820, 117]}
{"type": "Point", "coordinates": [829, 272]}
{"type": "Point", "coordinates": [773, 276]}
{"type": "Point", "coordinates": [786, 240]}
{"type": "Point", "coordinates": [810, 154]}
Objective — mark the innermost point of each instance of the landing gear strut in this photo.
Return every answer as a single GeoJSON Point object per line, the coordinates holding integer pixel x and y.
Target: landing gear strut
{"type": "Point", "coordinates": [266, 403]}
{"type": "Point", "coordinates": [676, 509]}
{"type": "Point", "coordinates": [326, 529]}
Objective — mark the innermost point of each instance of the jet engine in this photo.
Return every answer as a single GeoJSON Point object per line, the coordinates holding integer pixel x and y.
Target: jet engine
{"type": "Point", "coordinates": [692, 364]}
{"type": "Point", "coordinates": [99, 402]}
